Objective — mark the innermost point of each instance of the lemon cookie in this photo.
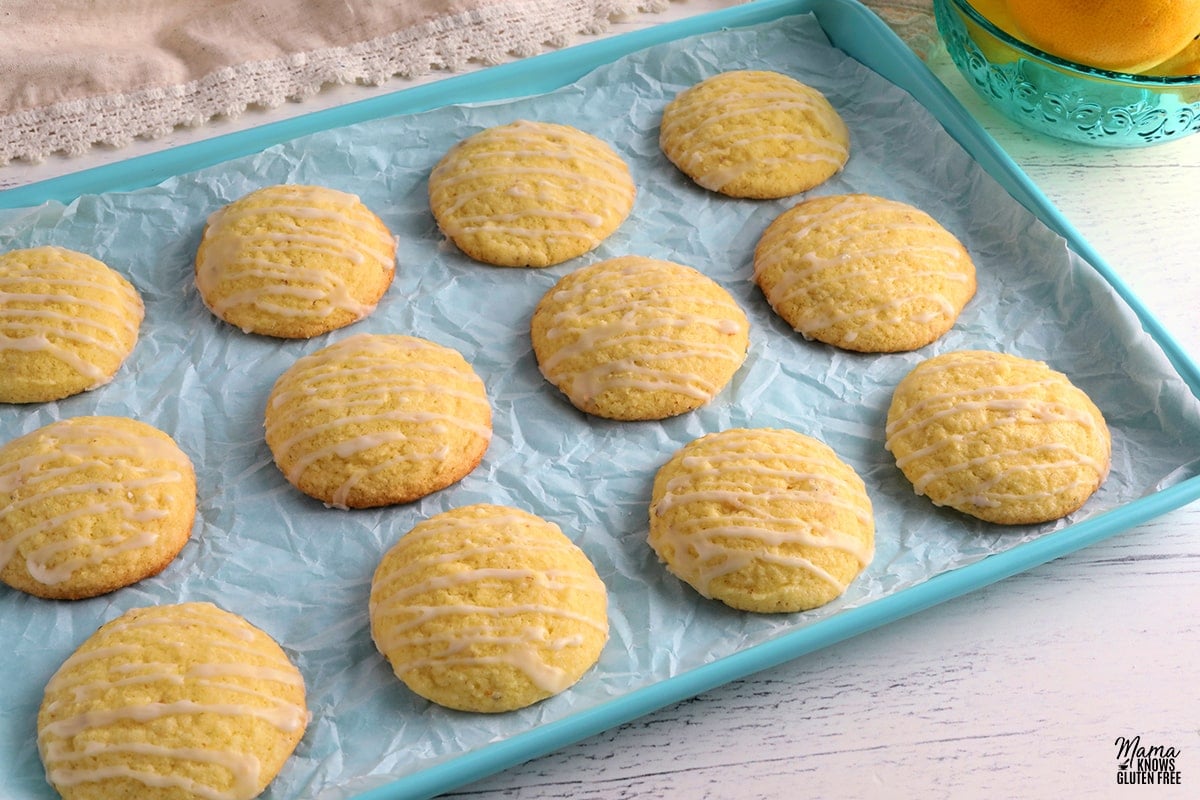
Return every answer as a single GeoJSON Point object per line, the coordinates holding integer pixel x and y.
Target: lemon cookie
{"type": "Point", "coordinates": [168, 703]}
{"type": "Point", "coordinates": [635, 338]}
{"type": "Point", "coordinates": [530, 194]}
{"type": "Point", "coordinates": [91, 504]}
{"type": "Point", "coordinates": [864, 273]}
{"type": "Point", "coordinates": [1002, 438]}
{"type": "Point", "coordinates": [762, 519]}
{"type": "Point", "coordinates": [67, 323]}
{"type": "Point", "coordinates": [755, 134]}
{"type": "Point", "coordinates": [488, 608]}
{"type": "Point", "coordinates": [377, 419]}
{"type": "Point", "coordinates": [294, 261]}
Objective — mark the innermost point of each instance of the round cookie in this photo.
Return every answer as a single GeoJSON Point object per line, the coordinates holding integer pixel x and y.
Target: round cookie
{"type": "Point", "coordinates": [294, 261]}
{"type": "Point", "coordinates": [763, 519]}
{"type": "Point", "coordinates": [91, 504]}
{"type": "Point", "coordinates": [171, 702]}
{"type": "Point", "coordinates": [67, 323]}
{"type": "Point", "coordinates": [487, 608]}
{"type": "Point", "coordinates": [635, 338]}
{"type": "Point", "coordinates": [864, 273]}
{"type": "Point", "coordinates": [530, 194]}
{"type": "Point", "coordinates": [999, 437]}
{"type": "Point", "coordinates": [377, 419]}
{"type": "Point", "coordinates": [755, 134]}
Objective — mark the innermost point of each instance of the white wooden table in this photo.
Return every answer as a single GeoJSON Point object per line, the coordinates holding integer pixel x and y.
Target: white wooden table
{"type": "Point", "coordinates": [1017, 690]}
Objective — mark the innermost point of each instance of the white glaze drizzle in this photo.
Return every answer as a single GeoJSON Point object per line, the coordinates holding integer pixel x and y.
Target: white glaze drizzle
{"type": "Point", "coordinates": [77, 452]}
{"type": "Point", "coordinates": [692, 126]}
{"type": "Point", "coordinates": [912, 296]}
{"type": "Point", "coordinates": [70, 750]}
{"type": "Point", "coordinates": [519, 647]}
{"type": "Point", "coordinates": [1007, 399]}
{"type": "Point", "coordinates": [370, 379]}
{"type": "Point", "coordinates": [736, 478]}
{"type": "Point", "coordinates": [1003, 405]}
{"type": "Point", "coordinates": [520, 143]}
{"type": "Point", "coordinates": [34, 320]}
{"type": "Point", "coordinates": [307, 227]}
{"type": "Point", "coordinates": [645, 321]}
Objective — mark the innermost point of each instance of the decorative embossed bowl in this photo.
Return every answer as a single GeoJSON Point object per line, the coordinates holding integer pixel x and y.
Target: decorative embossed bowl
{"type": "Point", "coordinates": [1063, 99]}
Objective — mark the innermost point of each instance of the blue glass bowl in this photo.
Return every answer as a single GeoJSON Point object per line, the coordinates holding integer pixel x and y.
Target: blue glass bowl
{"type": "Point", "coordinates": [1063, 99]}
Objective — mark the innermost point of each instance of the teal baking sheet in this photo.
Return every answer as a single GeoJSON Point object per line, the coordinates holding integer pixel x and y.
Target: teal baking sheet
{"type": "Point", "coordinates": [301, 571]}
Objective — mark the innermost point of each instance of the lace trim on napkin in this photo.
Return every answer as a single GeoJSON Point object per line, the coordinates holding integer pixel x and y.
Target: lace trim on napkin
{"type": "Point", "coordinates": [490, 35]}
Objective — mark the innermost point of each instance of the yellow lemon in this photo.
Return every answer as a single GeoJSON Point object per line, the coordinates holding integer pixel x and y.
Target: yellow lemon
{"type": "Point", "coordinates": [1185, 62]}
{"type": "Point", "coordinates": [995, 12]}
{"type": "Point", "coordinates": [1118, 35]}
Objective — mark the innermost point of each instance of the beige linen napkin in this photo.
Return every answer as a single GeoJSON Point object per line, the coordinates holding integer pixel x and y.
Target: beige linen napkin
{"type": "Point", "coordinates": [77, 73]}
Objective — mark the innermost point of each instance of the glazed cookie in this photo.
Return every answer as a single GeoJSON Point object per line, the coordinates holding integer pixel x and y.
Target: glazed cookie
{"type": "Point", "coordinates": [67, 323]}
{"type": "Point", "coordinates": [864, 273]}
{"type": "Point", "coordinates": [91, 504]}
{"type": "Point", "coordinates": [762, 519]}
{"type": "Point", "coordinates": [294, 261]}
{"type": "Point", "coordinates": [755, 134]}
{"type": "Point", "coordinates": [530, 194]}
{"type": "Point", "coordinates": [487, 608]}
{"type": "Point", "coordinates": [636, 338]}
{"type": "Point", "coordinates": [999, 437]}
{"type": "Point", "coordinates": [171, 702]}
{"type": "Point", "coordinates": [377, 419]}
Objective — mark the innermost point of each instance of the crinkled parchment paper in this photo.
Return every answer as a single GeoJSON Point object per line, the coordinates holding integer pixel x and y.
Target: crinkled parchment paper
{"type": "Point", "coordinates": [302, 571]}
